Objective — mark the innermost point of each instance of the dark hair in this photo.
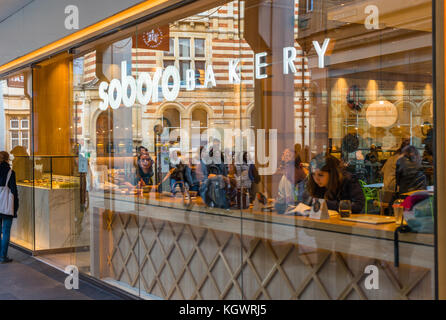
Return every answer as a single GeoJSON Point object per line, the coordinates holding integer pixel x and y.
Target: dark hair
{"type": "Point", "coordinates": [326, 163]}
{"type": "Point", "coordinates": [4, 157]}
{"type": "Point", "coordinates": [245, 157]}
{"type": "Point", "coordinates": [404, 144]}
{"type": "Point", "coordinates": [412, 154]}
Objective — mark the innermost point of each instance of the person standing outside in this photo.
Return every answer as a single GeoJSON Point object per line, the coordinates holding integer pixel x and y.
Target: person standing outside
{"type": "Point", "coordinates": [6, 220]}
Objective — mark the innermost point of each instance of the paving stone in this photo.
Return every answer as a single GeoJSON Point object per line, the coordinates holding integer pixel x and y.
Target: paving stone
{"type": "Point", "coordinates": [29, 279]}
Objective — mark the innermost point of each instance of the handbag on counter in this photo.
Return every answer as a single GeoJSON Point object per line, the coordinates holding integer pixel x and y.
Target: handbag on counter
{"type": "Point", "coordinates": [7, 198]}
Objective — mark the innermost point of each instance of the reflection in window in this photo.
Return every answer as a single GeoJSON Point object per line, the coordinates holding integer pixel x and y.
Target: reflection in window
{"type": "Point", "coordinates": [199, 47]}
{"type": "Point", "coordinates": [171, 51]}
{"type": "Point", "coordinates": [184, 45]}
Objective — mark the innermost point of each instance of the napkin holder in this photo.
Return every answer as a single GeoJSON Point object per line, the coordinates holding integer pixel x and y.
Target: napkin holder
{"type": "Point", "coordinates": [319, 210]}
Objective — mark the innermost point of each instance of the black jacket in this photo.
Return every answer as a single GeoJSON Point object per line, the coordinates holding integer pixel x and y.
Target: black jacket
{"type": "Point", "coordinates": [349, 190]}
{"type": "Point", "coordinates": [4, 169]}
{"type": "Point", "coordinates": [409, 176]}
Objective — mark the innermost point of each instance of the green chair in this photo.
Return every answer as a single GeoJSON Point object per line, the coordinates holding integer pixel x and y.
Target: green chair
{"type": "Point", "coordinates": [369, 194]}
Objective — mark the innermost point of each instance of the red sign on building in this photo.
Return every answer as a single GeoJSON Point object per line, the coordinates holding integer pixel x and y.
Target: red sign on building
{"type": "Point", "coordinates": [153, 39]}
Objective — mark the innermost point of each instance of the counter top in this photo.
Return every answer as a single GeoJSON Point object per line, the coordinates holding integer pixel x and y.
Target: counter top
{"type": "Point", "coordinates": [334, 224]}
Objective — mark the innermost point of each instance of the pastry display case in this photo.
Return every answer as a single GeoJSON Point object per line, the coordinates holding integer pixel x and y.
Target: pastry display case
{"type": "Point", "coordinates": [47, 172]}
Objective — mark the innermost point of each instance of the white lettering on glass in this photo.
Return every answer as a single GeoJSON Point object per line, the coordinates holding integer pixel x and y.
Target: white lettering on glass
{"type": "Point", "coordinates": [372, 20]}
{"type": "Point", "coordinates": [321, 51]}
{"type": "Point", "coordinates": [115, 87]}
{"type": "Point", "coordinates": [260, 65]}
{"type": "Point", "coordinates": [127, 82]}
{"type": "Point", "coordinates": [171, 72]}
{"type": "Point", "coordinates": [233, 71]}
{"type": "Point", "coordinates": [155, 84]}
{"type": "Point", "coordinates": [129, 90]}
{"type": "Point", "coordinates": [144, 79]}
{"type": "Point", "coordinates": [190, 80]}
{"type": "Point", "coordinates": [210, 77]}
{"type": "Point", "coordinates": [103, 105]}
{"type": "Point", "coordinates": [289, 56]}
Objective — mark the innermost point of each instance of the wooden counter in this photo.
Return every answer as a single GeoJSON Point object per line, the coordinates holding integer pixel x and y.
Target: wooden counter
{"type": "Point", "coordinates": [253, 254]}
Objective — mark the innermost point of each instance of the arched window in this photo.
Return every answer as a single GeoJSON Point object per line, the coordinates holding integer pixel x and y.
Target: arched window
{"type": "Point", "coordinates": [171, 121]}
{"type": "Point", "coordinates": [199, 125]}
{"type": "Point", "coordinates": [104, 133]}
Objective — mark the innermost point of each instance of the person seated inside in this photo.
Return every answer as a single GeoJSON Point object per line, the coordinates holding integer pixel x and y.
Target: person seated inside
{"type": "Point", "coordinates": [409, 172]}
{"type": "Point", "coordinates": [215, 163]}
{"type": "Point", "coordinates": [293, 183]}
{"type": "Point", "coordinates": [327, 180]}
{"type": "Point", "coordinates": [388, 172]}
{"type": "Point", "coordinates": [372, 164]}
{"type": "Point", "coordinates": [179, 173]}
{"type": "Point", "coordinates": [245, 175]}
{"type": "Point", "coordinates": [216, 188]}
{"type": "Point", "coordinates": [144, 170]}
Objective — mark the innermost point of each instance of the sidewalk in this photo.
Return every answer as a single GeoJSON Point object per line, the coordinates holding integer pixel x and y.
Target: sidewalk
{"type": "Point", "coordinates": [29, 279]}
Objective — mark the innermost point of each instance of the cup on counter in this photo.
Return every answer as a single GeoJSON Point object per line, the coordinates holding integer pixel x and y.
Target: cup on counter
{"type": "Point", "coordinates": [398, 212]}
{"type": "Point", "coordinates": [345, 208]}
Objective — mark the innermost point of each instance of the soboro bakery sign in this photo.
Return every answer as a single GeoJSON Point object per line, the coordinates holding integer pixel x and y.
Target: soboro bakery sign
{"type": "Point", "coordinates": [129, 90]}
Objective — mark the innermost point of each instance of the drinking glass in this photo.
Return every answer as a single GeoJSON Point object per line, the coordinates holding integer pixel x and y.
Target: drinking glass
{"type": "Point", "coordinates": [345, 208]}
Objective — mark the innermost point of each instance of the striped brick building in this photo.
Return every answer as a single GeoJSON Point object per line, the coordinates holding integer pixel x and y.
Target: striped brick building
{"type": "Point", "coordinates": [214, 37]}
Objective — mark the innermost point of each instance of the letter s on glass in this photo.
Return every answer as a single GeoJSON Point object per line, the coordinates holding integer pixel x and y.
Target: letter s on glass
{"type": "Point", "coordinates": [103, 105]}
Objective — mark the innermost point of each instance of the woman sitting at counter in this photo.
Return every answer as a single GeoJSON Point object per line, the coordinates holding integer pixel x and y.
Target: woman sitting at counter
{"type": "Point", "coordinates": [328, 181]}
{"type": "Point", "coordinates": [144, 171]}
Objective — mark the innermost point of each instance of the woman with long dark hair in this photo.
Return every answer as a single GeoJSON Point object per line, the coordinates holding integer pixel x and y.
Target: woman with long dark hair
{"type": "Point", "coordinates": [7, 178]}
{"type": "Point", "coordinates": [327, 180]}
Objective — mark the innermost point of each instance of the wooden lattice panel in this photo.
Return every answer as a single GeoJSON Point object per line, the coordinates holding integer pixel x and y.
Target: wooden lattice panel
{"type": "Point", "coordinates": [179, 261]}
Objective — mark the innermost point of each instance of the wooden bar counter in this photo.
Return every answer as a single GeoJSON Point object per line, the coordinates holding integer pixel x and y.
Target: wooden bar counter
{"type": "Point", "coordinates": [176, 251]}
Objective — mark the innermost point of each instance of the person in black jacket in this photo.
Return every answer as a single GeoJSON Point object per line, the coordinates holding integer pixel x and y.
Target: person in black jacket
{"type": "Point", "coordinates": [6, 220]}
{"type": "Point", "coordinates": [409, 172]}
{"type": "Point", "coordinates": [328, 181]}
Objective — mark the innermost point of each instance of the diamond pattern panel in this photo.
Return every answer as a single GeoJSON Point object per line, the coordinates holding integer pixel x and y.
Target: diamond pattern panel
{"type": "Point", "coordinates": [177, 261]}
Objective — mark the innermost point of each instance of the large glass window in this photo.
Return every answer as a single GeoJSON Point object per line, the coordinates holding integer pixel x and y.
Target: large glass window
{"type": "Point", "coordinates": [275, 160]}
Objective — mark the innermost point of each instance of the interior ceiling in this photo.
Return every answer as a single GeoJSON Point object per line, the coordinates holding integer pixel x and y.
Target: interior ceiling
{"type": "Point", "coordinates": [9, 7]}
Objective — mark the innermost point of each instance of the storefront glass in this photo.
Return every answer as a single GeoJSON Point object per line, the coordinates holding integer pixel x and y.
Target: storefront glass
{"type": "Point", "coordinates": [246, 150]}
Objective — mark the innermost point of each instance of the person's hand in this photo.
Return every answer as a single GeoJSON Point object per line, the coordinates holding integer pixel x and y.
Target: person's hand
{"type": "Point", "coordinates": [129, 185]}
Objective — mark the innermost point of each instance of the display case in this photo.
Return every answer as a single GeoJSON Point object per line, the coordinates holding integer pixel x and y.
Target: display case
{"type": "Point", "coordinates": [47, 172]}
{"type": "Point", "coordinates": [50, 189]}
